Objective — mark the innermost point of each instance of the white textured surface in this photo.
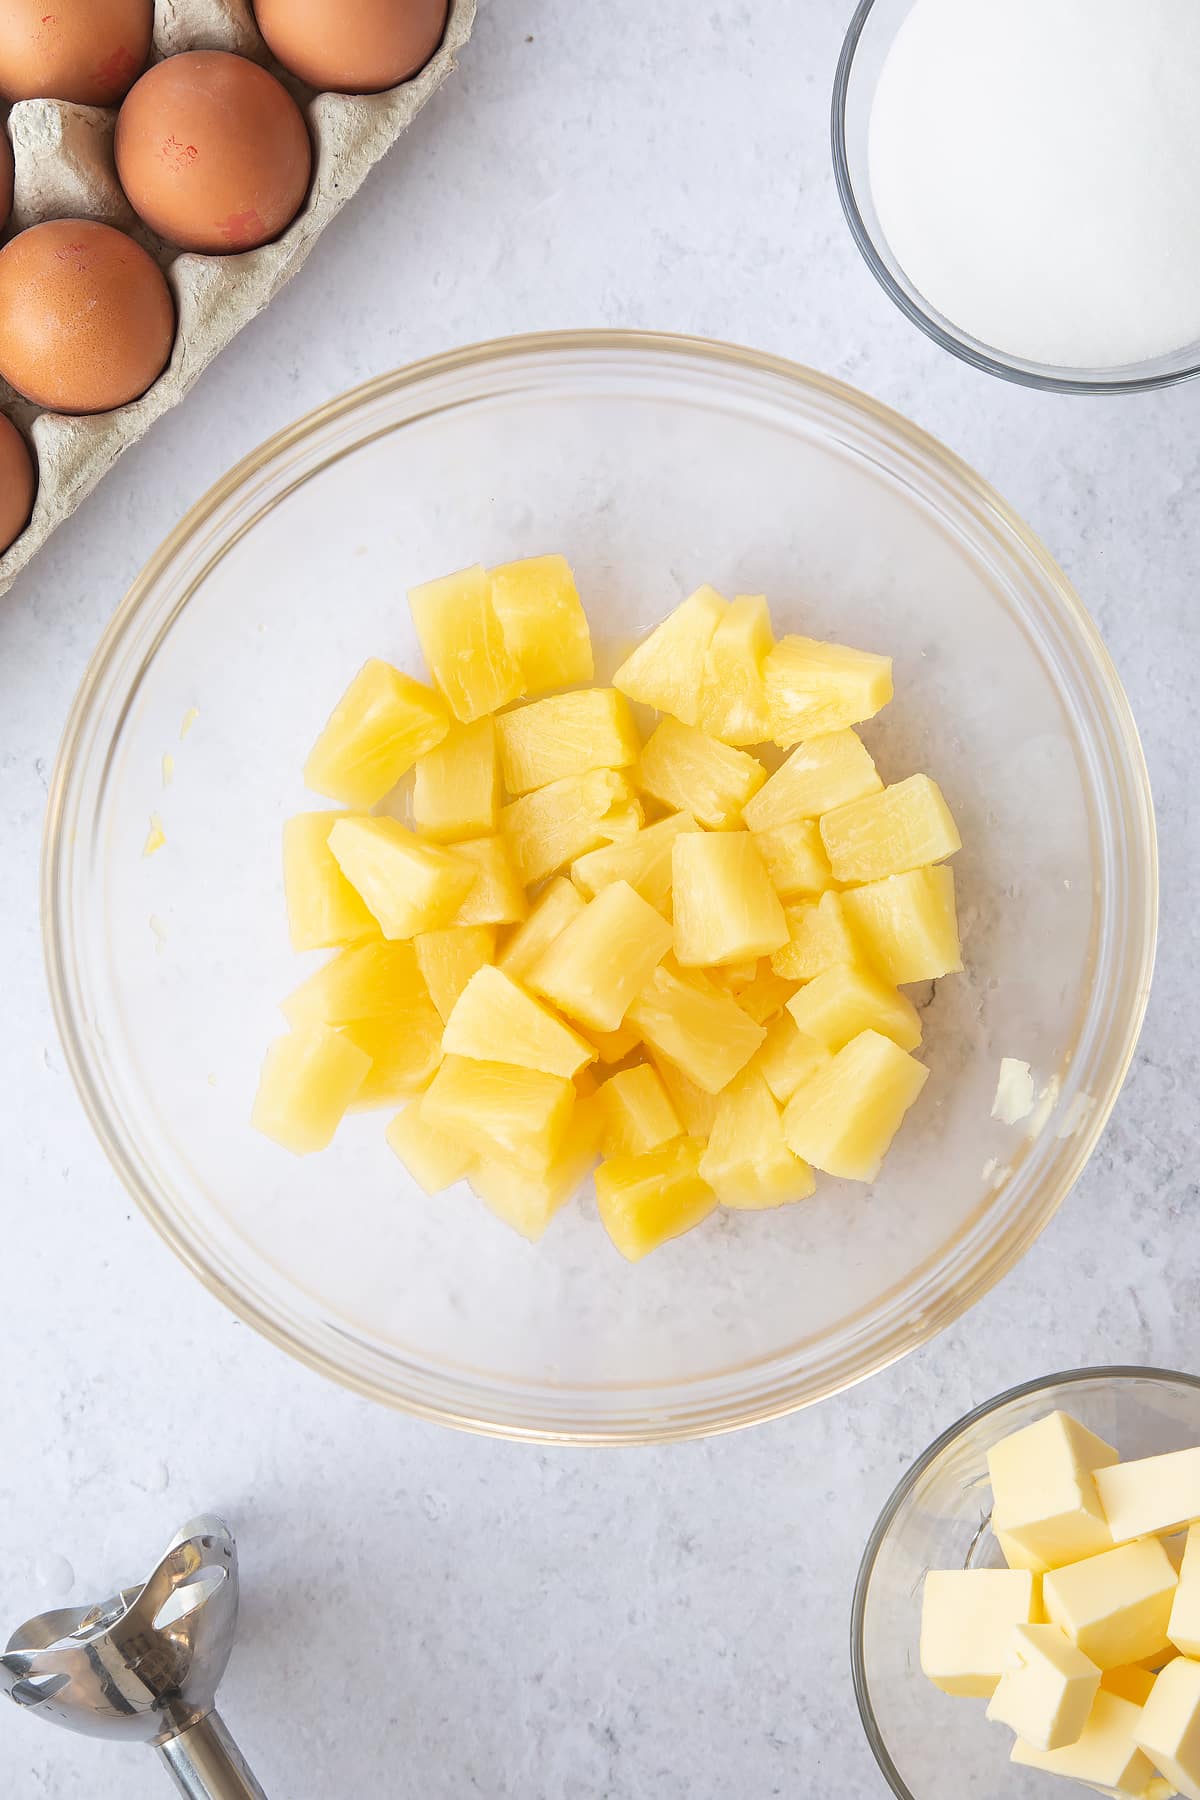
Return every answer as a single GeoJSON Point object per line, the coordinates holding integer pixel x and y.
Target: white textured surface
{"type": "Point", "coordinates": [426, 1613]}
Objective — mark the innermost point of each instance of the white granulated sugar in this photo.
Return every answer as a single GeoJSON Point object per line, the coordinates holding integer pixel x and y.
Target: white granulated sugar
{"type": "Point", "coordinates": [1035, 165]}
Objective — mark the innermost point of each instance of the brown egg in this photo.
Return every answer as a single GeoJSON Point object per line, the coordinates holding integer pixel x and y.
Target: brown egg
{"type": "Point", "coordinates": [6, 179]}
{"type": "Point", "coordinates": [86, 317]}
{"type": "Point", "coordinates": [352, 49]}
{"type": "Point", "coordinates": [17, 483]}
{"type": "Point", "coordinates": [91, 51]}
{"type": "Point", "coordinates": [213, 152]}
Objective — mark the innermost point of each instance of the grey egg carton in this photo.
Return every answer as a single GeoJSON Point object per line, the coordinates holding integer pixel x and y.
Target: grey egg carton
{"type": "Point", "coordinates": [65, 169]}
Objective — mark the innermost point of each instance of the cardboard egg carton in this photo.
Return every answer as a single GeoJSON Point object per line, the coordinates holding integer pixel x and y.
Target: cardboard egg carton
{"type": "Point", "coordinates": [65, 169]}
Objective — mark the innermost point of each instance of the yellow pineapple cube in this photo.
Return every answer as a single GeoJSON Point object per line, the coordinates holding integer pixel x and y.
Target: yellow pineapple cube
{"type": "Point", "coordinates": [907, 826]}
{"type": "Point", "coordinates": [733, 698]}
{"type": "Point", "coordinates": [404, 1054]}
{"type": "Point", "coordinates": [643, 860]}
{"type": "Point", "coordinates": [689, 1020]}
{"type": "Point", "coordinates": [463, 641]}
{"type": "Point", "coordinates": [497, 1021]}
{"type": "Point", "coordinates": [696, 1108]}
{"type": "Point", "coordinates": [624, 822]}
{"type": "Point", "coordinates": [409, 886]}
{"type": "Point", "coordinates": [842, 1002]}
{"type": "Point", "coordinates": [695, 774]}
{"type": "Point", "coordinates": [380, 726]}
{"type": "Point", "coordinates": [307, 1083]}
{"type": "Point", "coordinates": [645, 1200]}
{"type": "Point", "coordinates": [844, 1117]}
{"type": "Point", "coordinates": [735, 977]}
{"type": "Point", "coordinates": [599, 963]}
{"type": "Point", "coordinates": [559, 822]}
{"type": "Point", "coordinates": [637, 1110]}
{"type": "Point", "coordinates": [558, 903]}
{"type": "Point", "coordinates": [544, 624]}
{"type": "Point", "coordinates": [814, 688]}
{"type": "Point", "coordinates": [456, 787]}
{"type": "Point", "coordinates": [819, 775]}
{"type": "Point", "coordinates": [567, 734]}
{"type": "Point", "coordinates": [528, 1201]}
{"type": "Point", "coordinates": [746, 1162]}
{"type": "Point", "coordinates": [725, 907]}
{"type": "Point", "coordinates": [908, 924]}
{"type": "Point", "coordinates": [794, 857]}
{"type": "Point", "coordinates": [613, 1046]}
{"type": "Point", "coordinates": [323, 909]}
{"type": "Point", "coordinates": [666, 670]}
{"type": "Point", "coordinates": [434, 1160]}
{"type": "Point", "coordinates": [500, 1110]}
{"type": "Point", "coordinates": [821, 937]}
{"type": "Point", "coordinates": [448, 958]}
{"type": "Point", "coordinates": [376, 980]}
{"type": "Point", "coordinates": [497, 897]}
{"type": "Point", "coordinates": [788, 1058]}
{"type": "Point", "coordinates": [766, 996]}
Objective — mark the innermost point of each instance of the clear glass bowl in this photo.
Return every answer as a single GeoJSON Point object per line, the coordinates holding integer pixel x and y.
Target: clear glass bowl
{"type": "Point", "coordinates": [929, 1745]}
{"type": "Point", "coordinates": [868, 40]}
{"type": "Point", "coordinates": [655, 464]}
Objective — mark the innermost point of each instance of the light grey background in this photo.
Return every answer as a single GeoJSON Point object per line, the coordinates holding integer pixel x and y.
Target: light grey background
{"type": "Point", "coordinates": [426, 1613]}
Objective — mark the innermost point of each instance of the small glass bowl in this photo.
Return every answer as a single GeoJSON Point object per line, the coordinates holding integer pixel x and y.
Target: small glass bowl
{"type": "Point", "coordinates": [868, 40]}
{"type": "Point", "coordinates": [930, 1745]}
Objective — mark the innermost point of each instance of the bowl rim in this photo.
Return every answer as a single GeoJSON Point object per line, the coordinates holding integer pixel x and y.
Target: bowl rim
{"type": "Point", "coordinates": [1111, 1372]}
{"type": "Point", "coordinates": [1045, 378]}
{"type": "Point", "coordinates": [777, 1396]}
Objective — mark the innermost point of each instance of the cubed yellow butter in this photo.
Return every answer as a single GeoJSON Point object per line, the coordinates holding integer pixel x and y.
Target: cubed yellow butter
{"type": "Point", "coordinates": [562, 821]}
{"type": "Point", "coordinates": [404, 1054]}
{"type": "Point", "coordinates": [448, 958]}
{"type": "Point", "coordinates": [1044, 1494]}
{"type": "Point", "coordinates": [1154, 1494]}
{"type": "Point", "coordinates": [456, 786]}
{"type": "Point", "coordinates": [820, 938]}
{"type": "Point", "coordinates": [695, 1107]}
{"type": "Point", "coordinates": [697, 1026]}
{"type": "Point", "coordinates": [824, 773]}
{"type": "Point", "coordinates": [1169, 1728]}
{"type": "Point", "coordinates": [667, 669]}
{"type": "Point", "coordinates": [643, 860]}
{"type": "Point", "coordinates": [434, 1159]}
{"type": "Point", "coordinates": [1115, 1606]}
{"type": "Point", "coordinates": [967, 1620]}
{"type": "Point", "coordinates": [377, 980]}
{"type": "Point", "coordinates": [496, 1021]}
{"type": "Point", "coordinates": [1106, 1754]}
{"type": "Point", "coordinates": [733, 695]}
{"type": "Point", "coordinates": [794, 858]}
{"type": "Point", "coordinates": [408, 885]}
{"type": "Point", "coordinates": [787, 1058]}
{"type": "Point", "coordinates": [1184, 1627]}
{"type": "Point", "coordinates": [380, 726]}
{"type": "Point", "coordinates": [840, 1002]}
{"type": "Point", "coordinates": [844, 1117]}
{"type": "Point", "coordinates": [908, 924]}
{"type": "Point", "coordinates": [323, 909]}
{"type": "Point", "coordinates": [746, 1162]}
{"type": "Point", "coordinates": [528, 1202]}
{"type": "Point", "coordinates": [463, 644]}
{"type": "Point", "coordinates": [308, 1081]}
{"type": "Point", "coordinates": [724, 905]}
{"type": "Point", "coordinates": [1132, 1682]}
{"type": "Point", "coordinates": [815, 688]}
{"type": "Point", "coordinates": [545, 627]}
{"type": "Point", "coordinates": [496, 896]}
{"type": "Point", "coordinates": [568, 734]}
{"type": "Point", "coordinates": [637, 1111]}
{"type": "Point", "coordinates": [556, 905]}
{"type": "Point", "coordinates": [907, 826]}
{"type": "Point", "coordinates": [600, 962]}
{"type": "Point", "coordinates": [645, 1200]}
{"type": "Point", "coordinates": [501, 1110]}
{"type": "Point", "coordinates": [1048, 1696]}
{"type": "Point", "coordinates": [692, 773]}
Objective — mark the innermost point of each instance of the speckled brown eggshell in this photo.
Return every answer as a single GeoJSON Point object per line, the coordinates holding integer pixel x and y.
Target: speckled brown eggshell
{"type": "Point", "coordinates": [352, 49]}
{"type": "Point", "coordinates": [213, 152]}
{"type": "Point", "coordinates": [6, 178]}
{"type": "Point", "coordinates": [86, 317]}
{"type": "Point", "coordinates": [18, 484]}
{"type": "Point", "coordinates": [90, 51]}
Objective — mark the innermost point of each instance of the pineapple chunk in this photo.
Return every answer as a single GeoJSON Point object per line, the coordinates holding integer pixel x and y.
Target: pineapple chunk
{"type": "Point", "coordinates": [308, 1081]}
{"type": "Point", "coordinates": [404, 1054]}
{"type": "Point", "coordinates": [766, 995]}
{"type": "Point", "coordinates": [369, 981]}
{"type": "Point", "coordinates": [463, 641]}
{"type": "Point", "coordinates": [544, 624]}
{"type": "Point", "coordinates": [695, 774]}
{"type": "Point", "coordinates": [666, 670]}
{"type": "Point", "coordinates": [497, 897]}
{"type": "Point", "coordinates": [814, 688]}
{"type": "Point", "coordinates": [735, 977]}
{"type": "Point", "coordinates": [638, 1115]}
{"type": "Point", "coordinates": [448, 958]}
{"type": "Point", "coordinates": [456, 789]}
{"type": "Point", "coordinates": [645, 1200]}
{"type": "Point", "coordinates": [600, 962]}
{"type": "Point", "coordinates": [613, 1046]}
{"type": "Point", "coordinates": [788, 1058]}
{"type": "Point", "coordinates": [408, 885]}
{"type": "Point", "coordinates": [558, 903]}
{"type": "Point", "coordinates": [794, 857]}
{"type": "Point", "coordinates": [563, 820]}
{"type": "Point", "coordinates": [746, 1162]}
{"type": "Point", "coordinates": [696, 1026]}
{"type": "Point", "coordinates": [528, 1202]}
{"type": "Point", "coordinates": [733, 699]}
{"type": "Point", "coordinates": [907, 826]}
{"type": "Point", "coordinates": [323, 909]}
{"type": "Point", "coordinates": [624, 821]}
{"type": "Point", "coordinates": [819, 775]}
{"type": "Point", "coordinates": [844, 1001]}
{"type": "Point", "coordinates": [566, 735]}
{"type": "Point", "coordinates": [497, 1021]}
{"type": "Point", "coordinates": [821, 937]}
{"type": "Point", "coordinates": [380, 726]}
{"type": "Point", "coordinates": [725, 906]}
{"type": "Point", "coordinates": [845, 1116]}
{"type": "Point", "coordinates": [643, 860]}
{"type": "Point", "coordinates": [696, 1108]}
{"type": "Point", "coordinates": [908, 924]}
{"type": "Point", "coordinates": [500, 1110]}
{"type": "Point", "coordinates": [434, 1160]}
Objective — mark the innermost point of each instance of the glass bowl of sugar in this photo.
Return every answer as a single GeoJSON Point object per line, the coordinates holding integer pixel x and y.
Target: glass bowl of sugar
{"type": "Point", "coordinates": [1020, 176]}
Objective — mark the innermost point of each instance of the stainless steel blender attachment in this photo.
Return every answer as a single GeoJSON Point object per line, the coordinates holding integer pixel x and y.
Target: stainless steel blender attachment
{"type": "Point", "coordinates": [144, 1666]}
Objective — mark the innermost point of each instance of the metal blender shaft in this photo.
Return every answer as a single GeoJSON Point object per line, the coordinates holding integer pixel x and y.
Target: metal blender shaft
{"type": "Point", "coordinates": [206, 1764]}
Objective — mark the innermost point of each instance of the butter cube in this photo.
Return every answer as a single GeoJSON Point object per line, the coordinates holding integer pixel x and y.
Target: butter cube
{"type": "Point", "coordinates": [1184, 1627]}
{"type": "Point", "coordinates": [1016, 1555]}
{"type": "Point", "coordinates": [967, 1619]}
{"type": "Point", "coordinates": [1132, 1683]}
{"type": "Point", "coordinates": [1048, 1697]}
{"type": "Point", "coordinates": [1106, 1755]}
{"type": "Point", "coordinates": [1044, 1496]}
{"type": "Point", "coordinates": [1169, 1727]}
{"type": "Point", "coordinates": [1115, 1606]}
{"type": "Point", "coordinates": [1157, 1494]}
